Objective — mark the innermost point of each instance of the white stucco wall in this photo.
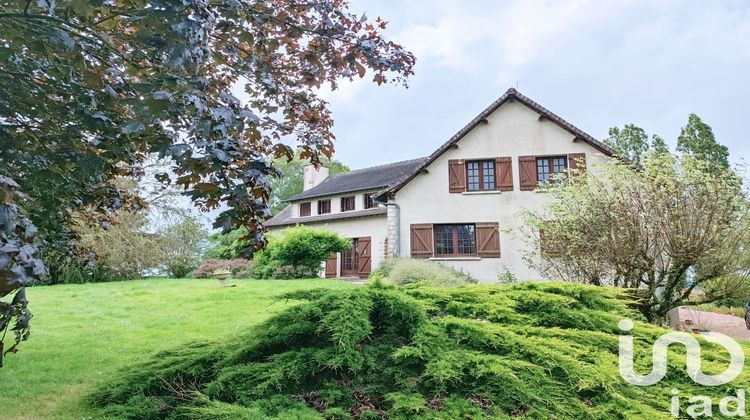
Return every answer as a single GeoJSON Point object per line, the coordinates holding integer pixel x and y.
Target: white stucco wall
{"type": "Point", "coordinates": [512, 130]}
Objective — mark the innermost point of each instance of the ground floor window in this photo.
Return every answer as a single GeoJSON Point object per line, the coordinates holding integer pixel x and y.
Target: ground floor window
{"type": "Point", "coordinates": [455, 240]}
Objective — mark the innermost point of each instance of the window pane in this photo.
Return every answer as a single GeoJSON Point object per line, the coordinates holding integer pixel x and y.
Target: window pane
{"type": "Point", "coordinates": [444, 239]}
{"type": "Point", "coordinates": [542, 169]}
{"type": "Point", "coordinates": [559, 164]}
{"type": "Point", "coordinates": [488, 175]}
{"type": "Point", "coordinates": [466, 239]}
{"type": "Point", "coordinates": [347, 203]}
{"type": "Point", "coordinates": [369, 201]}
{"type": "Point", "coordinates": [472, 176]}
{"type": "Point", "coordinates": [349, 257]}
{"type": "Point", "coordinates": [324, 207]}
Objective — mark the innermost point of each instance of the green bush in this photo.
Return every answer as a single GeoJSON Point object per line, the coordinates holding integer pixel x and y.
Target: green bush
{"type": "Point", "coordinates": [298, 252]}
{"type": "Point", "coordinates": [531, 350]}
{"type": "Point", "coordinates": [401, 271]}
{"type": "Point", "coordinates": [228, 246]}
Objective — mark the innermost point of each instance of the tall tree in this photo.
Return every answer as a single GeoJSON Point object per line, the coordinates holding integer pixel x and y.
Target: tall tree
{"type": "Point", "coordinates": [632, 143]}
{"type": "Point", "coordinates": [88, 90]}
{"type": "Point", "coordinates": [658, 145]}
{"type": "Point", "coordinates": [697, 139]}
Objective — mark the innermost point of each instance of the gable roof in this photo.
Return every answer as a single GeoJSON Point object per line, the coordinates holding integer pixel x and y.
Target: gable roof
{"type": "Point", "coordinates": [510, 95]}
{"type": "Point", "coordinates": [373, 178]}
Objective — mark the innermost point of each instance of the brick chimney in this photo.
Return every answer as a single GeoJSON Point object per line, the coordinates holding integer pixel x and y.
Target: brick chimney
{"type": "Point", "coordinates": [314, 176]}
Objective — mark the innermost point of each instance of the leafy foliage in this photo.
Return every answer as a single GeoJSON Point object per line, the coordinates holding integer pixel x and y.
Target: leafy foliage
{"type": "Point", "coordinates": [228, 246]}
{"type": "Point", "coordinates": [124, 247]}
{"type": "Point", "coordinates": [20, 264]}
{"type": "Point", "coordinates": [403, 271]}
{"type": "Point", "coordinates": [182, 245]}
{"type": "Point", "coordinates": [90, 89]}
{"type": "Point", "coordinates": [631, 142]}
{"type": "Point", "coordinates": [697, 139]}
{"type": "Point", "coordinates": [530, 350]}
{"type": "Point", "coordinates": [666, 229]}
{"type": "Point", "coordinates": [298, 252]}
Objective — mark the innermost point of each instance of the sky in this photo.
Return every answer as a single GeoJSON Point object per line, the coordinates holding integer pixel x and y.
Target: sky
{"type": "Point", "coordinates": [597, 64]}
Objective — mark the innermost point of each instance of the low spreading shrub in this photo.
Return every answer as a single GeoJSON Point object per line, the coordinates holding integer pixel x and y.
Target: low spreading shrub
{"type": "Point", "coordinates": [401, 271]}
{"type": "Point", "coordinates": [298, 252]}
{"type": "Point", "coordinates": [240, 268]}
{"type": "Point", "coordinates": [530, 350]}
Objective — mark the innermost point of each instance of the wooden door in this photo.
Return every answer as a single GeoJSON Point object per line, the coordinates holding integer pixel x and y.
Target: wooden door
{"type": "Point", "coordinates": [364, 256]}
{"type": "Point", "coordinates": [332, 266]}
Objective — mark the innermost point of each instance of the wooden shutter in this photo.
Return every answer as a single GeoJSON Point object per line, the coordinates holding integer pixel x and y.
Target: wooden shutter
{"type": "Point", "coordinates": [577, 161]}
{"type": "Point", "coordinates": [456, 176]}
{"type": "Point", "coordinates": [421, 241]}
{"type": "Point", "coordinates": [504, 174]}
{"type": "Point", "coordinates": [488, 240]}
{"type": "Point", "coordinates": [364, 252]}
{"type": "Point", "coordinates": [527, 172]}
{"type": "Point", "coordinates": [331, 264]}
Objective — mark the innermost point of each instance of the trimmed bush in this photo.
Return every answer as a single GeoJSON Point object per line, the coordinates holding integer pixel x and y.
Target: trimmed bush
{"type": "Point", "coordinates": [402, 271]}
{"type": "Point", "coordinates": [530, 350]}
{"type": "Point", "coordinates": [298, 252]}
{"type": "Point", "coordinates": [240, 268]}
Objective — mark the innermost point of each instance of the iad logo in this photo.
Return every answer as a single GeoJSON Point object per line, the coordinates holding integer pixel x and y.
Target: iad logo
{"type": "Point", "coordinates": [693, 367]}
{"type": "Point", "coordinates": [693, 364]}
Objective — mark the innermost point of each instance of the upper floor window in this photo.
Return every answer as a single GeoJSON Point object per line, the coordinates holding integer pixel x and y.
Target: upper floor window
{"type": "Point", "coordinates": [455, 240]}
{"type": "Point", "coordinates": [324, 206]}
{"type": "Point", "coordinates": [369, 201]}
{"type": "Point", "coordinates": [480, 175]}
{"type": "Point", "coordinates": [548, 167]}
{"type": "Point", "coordinates": [304, 209]}
{"type": "Point", "coordinates": [347, 203]}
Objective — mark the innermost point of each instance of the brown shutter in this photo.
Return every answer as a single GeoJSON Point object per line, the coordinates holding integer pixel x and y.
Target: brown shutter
{"type": "Point", "coordinates": [421, 241]}
{"type": "Point", "coordinates": [488, 240]}
{"type": "Point", "coordinates": [331, 264]}
{"type": "Point", "coordinates": [577, 161]}
{"type": "Point", "coordinates": [504, 174]}
{"type": "Point", "coordinates": [365, 256]}
{"type": "Point", "coordinates": [527, 172]}
{"type": "Point", "coordinates": [456, 176]}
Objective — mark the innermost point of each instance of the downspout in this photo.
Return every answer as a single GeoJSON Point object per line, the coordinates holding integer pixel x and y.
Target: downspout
{"type": "Point", "coordinates": [398, 225]}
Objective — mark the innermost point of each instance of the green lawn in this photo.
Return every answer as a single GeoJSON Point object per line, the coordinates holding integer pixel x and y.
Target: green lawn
{"type": "Point", "coordinates": [81, 334]}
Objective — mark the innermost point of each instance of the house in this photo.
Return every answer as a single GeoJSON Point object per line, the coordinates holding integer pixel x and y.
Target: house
{"type": "Point", "coordinates": [460, 205]}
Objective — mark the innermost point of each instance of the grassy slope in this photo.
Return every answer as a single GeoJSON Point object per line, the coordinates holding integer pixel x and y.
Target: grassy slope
{"type": "Point", "coordinates": [82, 333]}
